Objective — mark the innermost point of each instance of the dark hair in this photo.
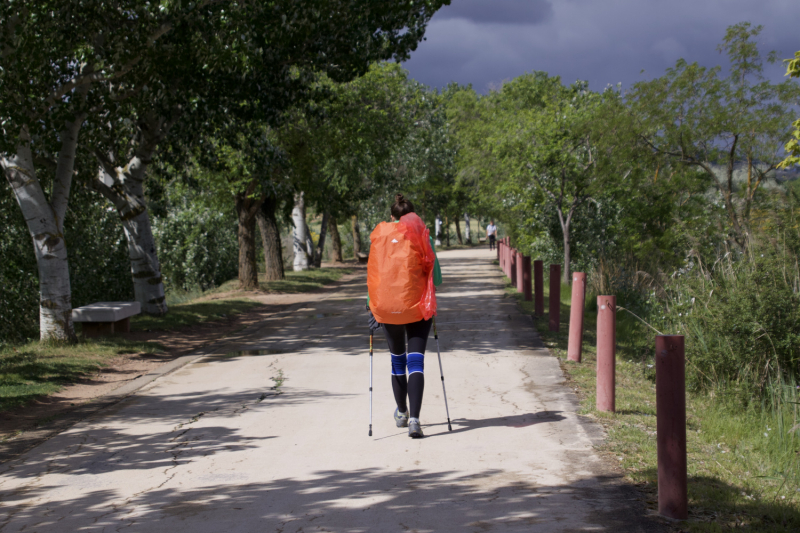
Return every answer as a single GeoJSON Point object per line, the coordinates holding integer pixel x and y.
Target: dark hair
{"type": "Point", "coordinates": [401, 207]}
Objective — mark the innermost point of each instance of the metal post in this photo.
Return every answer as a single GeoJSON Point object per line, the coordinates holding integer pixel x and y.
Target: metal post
{"type": "Point", "coordinates": [526, 278]}
{"type": "Point", "coordinates": [575, 343]}
{"type": "Point", "coordinates": [555, 297]}
{"type": "Point", "coordinates": [671, 426]}
{"type": "Point", "coordinates": [606, 352]}
{"type": "Point", "coordinates": [538, 287]}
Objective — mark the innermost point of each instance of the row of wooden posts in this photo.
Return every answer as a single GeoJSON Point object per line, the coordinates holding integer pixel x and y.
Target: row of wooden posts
{"type": "Point", "coordinates": [669, 363]}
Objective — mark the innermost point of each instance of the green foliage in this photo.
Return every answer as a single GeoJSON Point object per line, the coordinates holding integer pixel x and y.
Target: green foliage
{"type": "Point", "coordinates": [741, 319]}
{"type": "Point", "coordinates": [197, 247]}
{"type": "Point", "coordinates": [793, 146]}
{"type": "Point", "coordinates": [19, 281]}
{"type": "Point", "coordinates": [99, 265]}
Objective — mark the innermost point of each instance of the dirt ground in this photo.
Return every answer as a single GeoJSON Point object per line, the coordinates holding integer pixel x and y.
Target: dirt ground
{"type": "Point", "coordinates": [127, 367]}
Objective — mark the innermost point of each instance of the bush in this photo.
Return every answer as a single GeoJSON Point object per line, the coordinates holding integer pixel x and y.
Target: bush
{"type": "Point", "coordinates": [741, 320]}
{"type": "Point", "coordinates": [197, 248]}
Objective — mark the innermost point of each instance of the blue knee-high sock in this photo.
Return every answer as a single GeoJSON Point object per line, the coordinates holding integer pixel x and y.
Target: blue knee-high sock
{"type": "Point", "coordinates": [416, 382]}
{"type": "Point", "coordinates": [399, 381]}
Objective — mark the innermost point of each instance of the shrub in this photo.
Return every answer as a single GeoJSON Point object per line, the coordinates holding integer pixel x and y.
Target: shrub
{"type": "Point", "coordinates": [741, 319]}
{"type": "Point", "coordinates": [197, 247]}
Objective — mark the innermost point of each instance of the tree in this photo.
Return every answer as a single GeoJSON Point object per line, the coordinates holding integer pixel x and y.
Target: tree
{"type": "Point", "coordinates": [112, 64]}
{"type": "Point", "coordinates": [720, 125]}
{"type": "Point", "coordinates": [793, 146]}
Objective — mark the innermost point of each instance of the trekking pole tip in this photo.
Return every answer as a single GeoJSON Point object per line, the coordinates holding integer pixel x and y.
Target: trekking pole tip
{"type": "Point", "coordinates": [449, 427]}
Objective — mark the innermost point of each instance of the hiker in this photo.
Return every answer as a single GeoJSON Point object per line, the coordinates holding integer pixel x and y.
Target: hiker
{"type": "Point", "coordinates": [491, 234]}
{"type": "Point", "coordinates": [402, 300]}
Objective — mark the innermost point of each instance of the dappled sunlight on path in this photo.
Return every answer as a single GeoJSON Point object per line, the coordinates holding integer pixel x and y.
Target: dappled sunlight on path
{"type": "Point", "coordinates": [269, 433]}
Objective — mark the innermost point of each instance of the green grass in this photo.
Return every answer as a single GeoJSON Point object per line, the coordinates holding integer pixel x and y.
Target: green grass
{"type": "Point", "coordinates": [40, 368]}
{"type": "Point", "coordinates": [305, 281]}
{"type": "Point", "coordinates": [193, 313]}
{"type": "Point", "coordinates": [739, 478]}
{"type": "Point", "coordinates": [37, 369]}
{"type": "Point", "coordinates": [188, 312]}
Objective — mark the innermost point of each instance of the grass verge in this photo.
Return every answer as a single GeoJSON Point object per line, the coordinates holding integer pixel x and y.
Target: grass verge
{"type": "Point", "coordinates": [39, 368]}
{"type": "Point", "coordinates": [742, 464]}
{"type": "Point", "coordinates": [185, 310]}
{"type": "Point", "coordinates": [192, 313]}
{"type": "Point", "coordinates": [305, 281]}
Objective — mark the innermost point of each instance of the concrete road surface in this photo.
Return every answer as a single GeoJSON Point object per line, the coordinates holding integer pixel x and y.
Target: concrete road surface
{"type": "Point", "coordinates": [274, 439]}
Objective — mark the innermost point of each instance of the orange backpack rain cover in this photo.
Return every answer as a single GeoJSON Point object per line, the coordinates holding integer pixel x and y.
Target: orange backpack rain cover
{"type": "Point", "coordinates": [400, 272]}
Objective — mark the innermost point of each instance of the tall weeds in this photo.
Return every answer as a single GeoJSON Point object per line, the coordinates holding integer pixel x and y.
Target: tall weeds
{"type": "Point", "coordinates": [741, 319]}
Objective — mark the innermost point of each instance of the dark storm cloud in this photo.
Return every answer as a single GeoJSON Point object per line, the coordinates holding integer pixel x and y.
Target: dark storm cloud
{"type": "Point", "coordinates": [502, 11]}
{"type": "Point", "coordinates": [484, 42]}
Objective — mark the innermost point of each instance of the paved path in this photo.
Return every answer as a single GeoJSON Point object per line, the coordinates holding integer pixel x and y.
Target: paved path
{"type": "Point", "coordinates": [275, 439]}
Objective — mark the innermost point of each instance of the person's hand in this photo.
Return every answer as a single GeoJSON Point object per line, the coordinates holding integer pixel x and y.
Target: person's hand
{"type": "Point", "coordinates": [374, 325]}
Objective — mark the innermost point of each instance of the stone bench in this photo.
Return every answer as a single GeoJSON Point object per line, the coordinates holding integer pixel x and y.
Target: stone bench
{"type": "Point", "coordinates": [481, 239]}
{"type": "Point", "coordinates": [106, 318]}
{"type": "Point", "coordinates": [362, 257]}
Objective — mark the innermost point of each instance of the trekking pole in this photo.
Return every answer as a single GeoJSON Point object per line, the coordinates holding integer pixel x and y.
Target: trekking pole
{"type": "Point", "coordinates": [370, 382]}
{"type": "Point", "coordinates": [444, 391]}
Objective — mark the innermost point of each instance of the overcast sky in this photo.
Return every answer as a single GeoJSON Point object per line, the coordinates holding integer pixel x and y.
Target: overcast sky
{"type": "Point", "coordinates": [484, 42]}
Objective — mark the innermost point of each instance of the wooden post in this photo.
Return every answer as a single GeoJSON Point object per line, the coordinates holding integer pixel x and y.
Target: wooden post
{"type": "Point", "coordinates": [512, 267]}
{"type": "Point", "coordinates": [575, 343]}
{"type": "Point", "coordinates": [606, 352]}
{"type": "Point", "coordinates": [671, 426]}
{"type": "Point", "coordinates": [519, 271]}
{"type": "Point", "coordinates": [538, 287]}
{"type": "Point", "coordinates": [555, 297]}
{"type": "Point", "coordinates": [526, 278]}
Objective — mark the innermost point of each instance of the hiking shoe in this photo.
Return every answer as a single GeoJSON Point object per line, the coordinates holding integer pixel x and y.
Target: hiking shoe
{"type": "Point", "coordinates": [414, 429]}
{"type": "Point", "coordinates": [401, 419]}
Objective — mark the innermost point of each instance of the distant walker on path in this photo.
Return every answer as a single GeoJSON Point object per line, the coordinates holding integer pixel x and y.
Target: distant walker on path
{"type": "Point", "coordinates": [491, 234]}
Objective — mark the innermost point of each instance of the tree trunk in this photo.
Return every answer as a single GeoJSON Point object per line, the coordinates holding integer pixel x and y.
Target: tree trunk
{"type": "Point", "coordinates": [458, 231]}
{"type": "Point", "coordinates": [566, 275]}
{"type": "Point", "coordinates": [311, 249]}
{"type": "Point", "coordinates": [124, 187]}
{"type": "Point", "coordinates": [45, 223]}
{"type": "Point", "coordinates": [271, 240]}
{"type": "Point", "coordinates": [447, 231]}
{"type": "Point", "coordinates": [299, 221]}
{"type": "Point", "coordinates": [248, 271]}
{"type": "Point", "coordinates": [438, 230]}
{"type": "Point", "coordinates": [321, 244]}
{"type": "Point", "coordinates": [467, 233]}
{"type": "Point", "coordinates": [336, 241]}
{"type": "Point", "coordinates": [356, 237]}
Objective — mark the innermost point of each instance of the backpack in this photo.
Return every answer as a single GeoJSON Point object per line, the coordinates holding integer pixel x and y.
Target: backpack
{"type": "Point", "coordinates": [400, 272]}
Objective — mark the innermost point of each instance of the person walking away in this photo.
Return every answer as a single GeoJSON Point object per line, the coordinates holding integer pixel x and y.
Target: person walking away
{"type": "Point", "coordinates": [402, 274]}
{"type": "Point", "coordinates": [491, 234]}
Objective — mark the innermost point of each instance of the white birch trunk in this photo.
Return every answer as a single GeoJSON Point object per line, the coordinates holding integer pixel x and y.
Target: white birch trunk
{"type": "Point", "coordinates": [45, 221]}
{"type": "Point", "coordinates": [438, 230]}
{"type": "Point", "coordinates": [125, 189]}
{"type": "Point", "coordinates": [299, 221]}
{"type": "Point", "coordinates": [466, 230]}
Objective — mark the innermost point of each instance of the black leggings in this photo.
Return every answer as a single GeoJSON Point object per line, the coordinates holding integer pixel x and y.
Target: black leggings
{"type": "Point", "coordinates": [413, 385]}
